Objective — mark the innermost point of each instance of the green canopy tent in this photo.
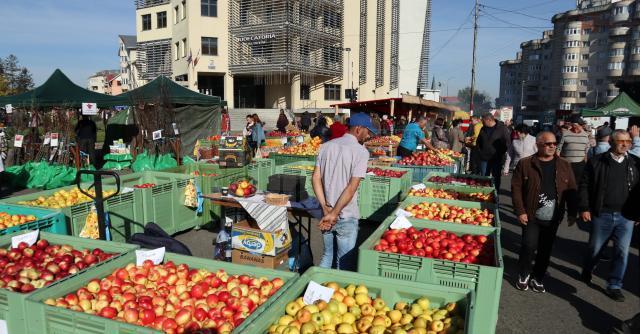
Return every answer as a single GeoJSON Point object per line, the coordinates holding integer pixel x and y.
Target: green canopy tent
{"type": "Point", "coordinates": [58, 91]}
{"type": "Point", "coordinates": [169, 91]}
{"type": "Point", "coordinates": [621, 106]}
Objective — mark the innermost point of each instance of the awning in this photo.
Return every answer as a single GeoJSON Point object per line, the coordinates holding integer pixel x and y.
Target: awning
{"type": "Point", "coordinates": [621, 106]}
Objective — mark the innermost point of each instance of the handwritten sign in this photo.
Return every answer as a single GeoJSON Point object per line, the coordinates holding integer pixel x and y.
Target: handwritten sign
{"type": "Point", "coordinates": [17, 140]}
{"type": "Point", "coordinates": [30, 238]}
{"type": "Point", "coordinates": [89, 108]}
{"type": "Point", "coordinates": [54, 139]}
{"type": "Point", "coordinates": [155, 255]}
{"type": "Point", "coordinates": [317, 292]}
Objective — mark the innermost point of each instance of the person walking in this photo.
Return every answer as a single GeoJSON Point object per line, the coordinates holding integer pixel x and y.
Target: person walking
{"type": "Point", "coordinates": [493, 142]}
{"type": "Point", "coordinates": [523, 146]}
{"type": "Point", "coordinates": [412, 135]}
{"type": "Point", "coordinates": [438, 135]}
{"type": "Point", "coordinates": [574, 145]}
{"type": "Point", "coordinates": [86, 132]}
{"type": "Point", "coordinates": [340, 166]}
{"type": "Point", "coordinates": [604, 189]}
{"type": "Point", "coordinates": [456, 136]}
{"type": "Point", "coordinates": [631, 211]}
{"type": "Point", "coordinates": [282, 122]}
{"type": "Point", "coordinates": [542, 185]}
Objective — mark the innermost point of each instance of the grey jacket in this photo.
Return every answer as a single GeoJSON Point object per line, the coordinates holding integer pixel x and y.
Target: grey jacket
{"type": "Point", "coordinates": [519, 149]}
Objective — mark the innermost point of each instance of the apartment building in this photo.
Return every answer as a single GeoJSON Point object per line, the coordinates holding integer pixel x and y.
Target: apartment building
{"type": "Point", "coordinates": [590, 49]}
{"type": "Point", "coordinates": [127, 51]}
{"type": "Point", "coordinates": [101, 81]}
{"type": "Point", "coordinates": [271, 54]}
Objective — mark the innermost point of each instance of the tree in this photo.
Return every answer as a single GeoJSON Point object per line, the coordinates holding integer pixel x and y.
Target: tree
{"type": "Point", "coordinates": [13, 78]}
{"type": "Point", "coordinates": [481, 100]}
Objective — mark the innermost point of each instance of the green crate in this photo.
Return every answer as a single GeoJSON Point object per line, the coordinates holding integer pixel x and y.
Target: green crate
{"type": "Point", "coordinates": [390, 290]}
{"type": "Point", "coordinates": [51, 319]}
{"type": "Point", "coordinates": [382, 194]}
{"type": "Point", "coordinates": [419, 172]}
{"type": "Point", "coordinates": [288, 169]}
{"type": "Point", "coordinates": [126, 216]}
{"type": "Point", "coordinates": [472, 205]}
{"type": "Point", "coordinates": [486, 281]}
{"type": "Point", "coordinates": [13, 308]}
{"type": "Point", "coordinates": [465, 190]}
{"type": "Point", "coordinates": [444, 174]}
{"type": "Point", "coordinates": [283, 159]}
{"type": "Point", "coordinates": [51, 221]}
{"type": "Point", "coordinates": [260, 170]}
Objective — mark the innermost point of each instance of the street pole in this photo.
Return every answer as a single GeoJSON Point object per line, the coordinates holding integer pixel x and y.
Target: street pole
{"type": "Point", "coordinates": [473, 63]}
{"type": "Point", "coordinates": [521, 95]}
{"type": "Point", "coordinates": [349, 77]}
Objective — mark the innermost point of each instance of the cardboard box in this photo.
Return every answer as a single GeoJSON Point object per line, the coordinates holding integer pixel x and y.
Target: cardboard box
{"type": "Point", "coordinates": [249, 237]}
{"type": "Point", "coordinates": [233, 158]}
{"type": "Point", "coordinates": [259, 260]}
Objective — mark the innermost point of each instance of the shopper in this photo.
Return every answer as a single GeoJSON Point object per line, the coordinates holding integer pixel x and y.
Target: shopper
{"type": "Point", "coordinates": [472, 136]}
{"type": "Point", "coordinates": [340, 166]}
{"type": "Point", "coordinates": [375, 120]}
{"type": "Point", "coordinates": [634, 131]}
{"type": "Point", "coordinates": [3, 150]}
{"type": "Point", "coordinates": [523, 146]}
{"type": "Point", "coordinates": [225, 125]}
{"type": "Point", "coordinates": [86, 132]}
{"type": "Point", "coordinates": [604, 188]}
{"type": "Point", "coordinates": [282, 122]}
{"type": "Point", "coordinates": [337, 129]}
{"type": "Point", "coordinates": [412, 135]}
{"type": "Point", "coordinates": [247, 132]}
{"type": "Point", "coordinates": [631, 211]}
{"type": "Point", "coordinates": [257, 135]}
{"type": "Point", "coordinates": [602, 142]}
{"type": "Point", "coordinates": [456, 136]}
{"type": "Point", "coordinates": [438, 135]}
{"type": "Point", "coordinates": [574, 145]}
{"type": "Point", "coordinates": [321, 130]}
{"type": "Point", "coordinates": [540, 187]}
{"type": "Point", "coordinates": [305, 121]}
{"type": "Point", "coordinates": [493, 143]}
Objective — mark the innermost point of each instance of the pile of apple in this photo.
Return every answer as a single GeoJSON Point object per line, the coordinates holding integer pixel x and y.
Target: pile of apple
{"type": "Point", "coordinates": [476, 249]}
{"type": "Point", "coordinates": [26, 268]}
{"type": "Point", "coordinates": [172, 298]}
{"type": "Point", "coordinates": [460, 180]}
{"type": "Point", "coordinates": [275, 133]}
{"type": "Point", "coordinates": [242, 188]}
{"type": "Point", "coordinates": [309, 148]}
{"type": "Point", "coordinates": [196, 173]}
{"type": "Point", "coordinates": [450, 153]}
{"type": "Point", "coordinates": [383, 141]}
{"type": "Point", "coordinates": [428, 158]}
{"type": "Point", "coordinates": [451, 194]}
{"type": "Point", "coordinates": [351, 310]}
{"type": "Point", "coordinates": [144, 185]}
{"type": "Point", "coordinates": [451, 213]}
{"type": "Point", "coordinates": [386, 172]}
{"type": "Point", "coordinates": [9, 220]}
{"type": "Point", "coordinates": [64, 198]}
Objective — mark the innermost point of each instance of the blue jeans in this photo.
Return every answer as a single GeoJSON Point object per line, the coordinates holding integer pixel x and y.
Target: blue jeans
{"type": "Point", "coordinates": [345, 235]}
{"type": "Point", "coordinates": [492, 168]}
{"type": "Point", "coordinates": [617, 228]}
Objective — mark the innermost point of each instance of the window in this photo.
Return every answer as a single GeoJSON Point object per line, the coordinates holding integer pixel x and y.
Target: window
{"type": "Point", "coordinates": [183, 51]}
{"type": "Point", "coordinates": [534, 68]}
{"type": "Point", "coordinates": [584, 82]}
{"type": "Point", "coordinates": [616, 52]}
{"type": "Point", "coordinates": [146, 22]}
{"type": "Point", "coordinates": [620, 10]}
{"type": "Point", "coordinates": [572, 31]}
{"type": "Point", "coordinates": [571, 56]}
{"type": "Point", "coordinates": [583, 94]}
{"type": "Point", "coordinates": [635, 65]}
{"type": "Point", "coordinates": [584, 69]}
{"type": "Point", "coordinates": [176, 54]}
{"type": "Point", "coordinates": [534, 57]}
{"type": "Point", "coordinates": [210, 46]}
{"type": "Point", "coordinates": [209, 8]}
{"type": "Point", "coordinates": [572, 44]}
{"type": "Point", "coordinates": [176, 14]}
{"type": "Point", "coordinates": [568, 94]}
{"type": "Point", "coordinates": [569, 69]}
{"type": "Point", "coordinates": [161, 20]}
{"type": "Point", "coordinates": [183, 9]}
{"type": "Point", "coordinates": [585, 56]}
{"type": "Point", "coordinates": [305, 92]}
{"type": "Point", "coordinates": [636, 50]}
{"type": "Point", "coordinates": [332, 92]}
{"type": "Point", "coordinates": [618, 65]}
{"type": "Point", "coordinates": [586, 31]}
{"type": "Point", "coordinates": [586, 44]}
{"type": "Point", "coordinates": [566, 82]}
{"type": "Point", "coordinates": [565, 106]}
{"type": "Point", "coordinates": [533, 77]}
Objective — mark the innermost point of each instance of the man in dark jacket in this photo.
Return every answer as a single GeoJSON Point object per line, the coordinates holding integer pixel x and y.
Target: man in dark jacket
{"type": "Point", "coordinates": [631, 211]}
{"type": "Point", "coordinates": [541, 186]}
{"type": "Point", "coordinates": [605, 187]}
{"type": "Point", "coordinates": [493, 142]}
{"type": "Point", "coordinates": [305, 121]}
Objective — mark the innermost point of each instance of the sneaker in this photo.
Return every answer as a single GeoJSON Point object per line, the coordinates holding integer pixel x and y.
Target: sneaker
{"type": "Point", "coordinates": [615, 294]}
{"type": "Point", "coordinates": [523, 283]}
{"type": "Point", "coordinates": [537, 286]}
{"type": "Point", "coordinates": [586, 277]}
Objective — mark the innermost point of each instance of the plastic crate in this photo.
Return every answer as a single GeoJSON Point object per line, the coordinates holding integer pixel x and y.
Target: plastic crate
{"type": "Point", "coordinates": [419, 172]}
{"type": "Point", "coordinates": [290, 169]}
{"type": "Point", "coordinates": [51, 319]}
{"type": "Point", "coordinates": [391, 291]}
{"type": "Point", "coordinates": [472, 205]}
{"type": "Point", "coordinates": [381, 194]}
{"type": "Point", "coordinates": [260, 170]}
{"type": "Point", "coordinates": [465, 190]}
{"type": "Point", "coordinates": [486, 281]}
{"type": "Point", "coordinates": [13, 308]}
{"type": "Point", "coordinates": [283, 159]}
{"type": "Point", "coordinates": [444, 174]}
{"type": "Point", "coordinates": [46, 220]}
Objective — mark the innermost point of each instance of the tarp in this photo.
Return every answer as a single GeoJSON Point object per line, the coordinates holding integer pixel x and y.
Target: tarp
{"type": "Point", "coordinates": [58, 91]}
{"type": "Point", "coordinates": [165, 91]}
{"type": "Point", "coordinates": [621, 106]}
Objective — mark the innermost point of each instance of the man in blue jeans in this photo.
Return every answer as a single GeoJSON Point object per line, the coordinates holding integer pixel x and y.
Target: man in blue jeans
{"type": "Point", "coordinates": [605, 187]}
{"type": "Point", "coordinates": [341, 164]}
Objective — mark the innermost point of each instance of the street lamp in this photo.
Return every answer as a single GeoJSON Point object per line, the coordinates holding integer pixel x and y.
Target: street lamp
{"type": "Point", "coordinates": [349, 71]}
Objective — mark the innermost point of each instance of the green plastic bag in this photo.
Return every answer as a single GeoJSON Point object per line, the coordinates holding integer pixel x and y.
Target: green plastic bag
{"type": "Point", "coordinates": [87, 177]}
{"type": "Point", "coordinates": [64, 177]}
{"type": "Point", "coordinates": [187, 160]}
{"type": "Point", "coordinates": [40, 175]}
{"type": "Point", "coordinates": [143, 162]}
{"type": "Point", "coordinates": [165, 161]}
{"type": "Point", "coordinates": [18, 176]}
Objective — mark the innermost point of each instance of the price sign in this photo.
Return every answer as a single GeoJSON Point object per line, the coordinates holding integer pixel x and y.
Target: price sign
{"type": "Point", "coordinates": [317, 292]}
{"type": "Point", "coordinates": [30, 238]}
{"type": "Point", "coordinates": [155, 255]}
{"type": "Point", "coordinates": [400, 222]}
{"type": "Point", "coordinates": [54, 139]}
{"type": "Point", "coordinates": [284, 140]}
{"type": "Point", "coordinates": [17, 140]}
{"type": "Point", "coordinates": [89, 108]}
{"type": "Point", "coordinates": [419, 186]}
{"type": "Point", "coordinates": [176, 131]}
{"type": "Point", "coordinates": [157, 135]}
{"type": "Point", "coordinates": [300, 139]}
{"type": "Point", "coordinates": [47, 139]}
{"type": "Point", "coordinates": [8, 108]}
{"type": "Point", "coordinates": [4, 329]}
{"type": "Point", "coordinates": [403, 213]}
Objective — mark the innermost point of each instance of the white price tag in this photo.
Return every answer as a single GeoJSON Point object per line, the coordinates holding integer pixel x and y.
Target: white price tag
{"type": "Point", "coordinates": [371, 173]}
{"type": "Point", "coordinates": [400, 222]}
{"type": "Point", "coordinates": [47, 139]}
{"type": "Point", "coordinates": [156, 135]}
{"type": "Point", "coordinates": [3, 327]}
{"type": "Point", "coordinates": [316, 292]}
{"type": "Point", "coordinates": [8, 108]}
{"type": "Point", "coordinates": [403, 213]}
{"type": "Point", "coordinates": [284, 140]}
{"type": "Point", "coordinates": [125, 190]}
{"type": "Point", "coordinates": [30, 238]}
{"type": "Point", "coordinates": [54, 140]}
{"type": "Point", "coordinates": [17, 140]}
{"type": "Point", "coordinates": [155, 255]}
{"type": "Point", "coordinates": [419, 186]}
{"type": "Point", "coordinates": [176, 131]}
{"type": "Point", "coordinates": [89, 108]}
{"type": "Point", "coordinates": [300, 139]}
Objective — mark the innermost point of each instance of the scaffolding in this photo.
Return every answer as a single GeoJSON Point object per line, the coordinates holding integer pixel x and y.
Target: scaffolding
{"type": "Point", "coordinates": [423, 74]}
{"type": "Point", "coordinates": [380, 23]}
{"type": "Point", "coordinates": [395, 44]}
{"type": "Point", "coordinates": [154, 59]}
{"type": "Point", "coordinates": [362, 62]}
{"type": "Point", "coordinates": [275, 39]}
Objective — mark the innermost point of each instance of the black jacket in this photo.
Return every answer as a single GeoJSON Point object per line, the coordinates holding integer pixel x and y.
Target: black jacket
{"type": "Point", "coordinates": [593, 185]}
{"type": "Point", "coordinates": [492, 145]}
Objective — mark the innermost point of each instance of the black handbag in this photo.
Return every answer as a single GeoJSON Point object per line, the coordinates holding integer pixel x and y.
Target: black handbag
{"type": "Point", "coordinates": [155, 237]}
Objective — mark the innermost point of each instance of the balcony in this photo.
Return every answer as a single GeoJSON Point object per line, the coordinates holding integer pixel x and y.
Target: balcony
{"type": "Point", "coordinates": [615, 73]}
{"type": "Point", "coordinates": [618, 31]}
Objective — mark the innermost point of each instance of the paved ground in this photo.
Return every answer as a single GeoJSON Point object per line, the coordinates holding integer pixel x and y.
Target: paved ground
{"type": "Point", "coordinates": [569, 306]}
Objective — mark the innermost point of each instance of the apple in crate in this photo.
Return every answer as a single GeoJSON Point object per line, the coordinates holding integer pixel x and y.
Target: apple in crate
{"type": "Point", "coordinates": [242, 188]}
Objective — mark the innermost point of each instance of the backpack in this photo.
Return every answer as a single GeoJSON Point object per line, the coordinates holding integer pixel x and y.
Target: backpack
{"type": "Point", "coordinates": [155, 237]}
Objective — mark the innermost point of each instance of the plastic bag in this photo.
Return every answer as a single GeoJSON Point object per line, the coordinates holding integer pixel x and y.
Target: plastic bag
{"type": "Point", "coordinates": [65, 177]}
{"type": "Point", "coordinates": [143, 162]}
{"type": "Point", "coordinates": [17, 176]}
{"type": "Point", "coordinates": [40, 175]}
{"type": "Point", "coordinates": [165, 161]}
{"type": "Point", "coordinates": [187, 160]}
{"type": "Point", "coordinates": [87, 177]}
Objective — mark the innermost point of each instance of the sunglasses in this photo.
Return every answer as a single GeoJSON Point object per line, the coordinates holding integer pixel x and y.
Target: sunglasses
{"type": "Point", "coordinates": [550, 144]}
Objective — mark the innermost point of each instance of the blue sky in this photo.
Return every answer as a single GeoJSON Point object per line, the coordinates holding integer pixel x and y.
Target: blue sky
{"type": "Point", "coordinates": [81, 36]}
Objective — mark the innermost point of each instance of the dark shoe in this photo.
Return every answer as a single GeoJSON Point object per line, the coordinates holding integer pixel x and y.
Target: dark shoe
{"type": "Point", "coordinates": [615, 294]}
{"type": "Point", "coordinates": [523, 283]}
{"type": "Point", "coordinates": [586, 277]}
{"type": "Point", "coordinates": [537, 286]}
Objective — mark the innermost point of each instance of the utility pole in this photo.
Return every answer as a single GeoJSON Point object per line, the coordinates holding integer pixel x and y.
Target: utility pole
{"type": "Point", "coordinates": [521, 96]}
{"type": "Point", "coordinates": [473, 63]}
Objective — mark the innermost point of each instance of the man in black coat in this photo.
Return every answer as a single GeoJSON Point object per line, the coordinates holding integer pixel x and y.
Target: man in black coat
{"type": "Point", "coordinates": [492, 145]}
